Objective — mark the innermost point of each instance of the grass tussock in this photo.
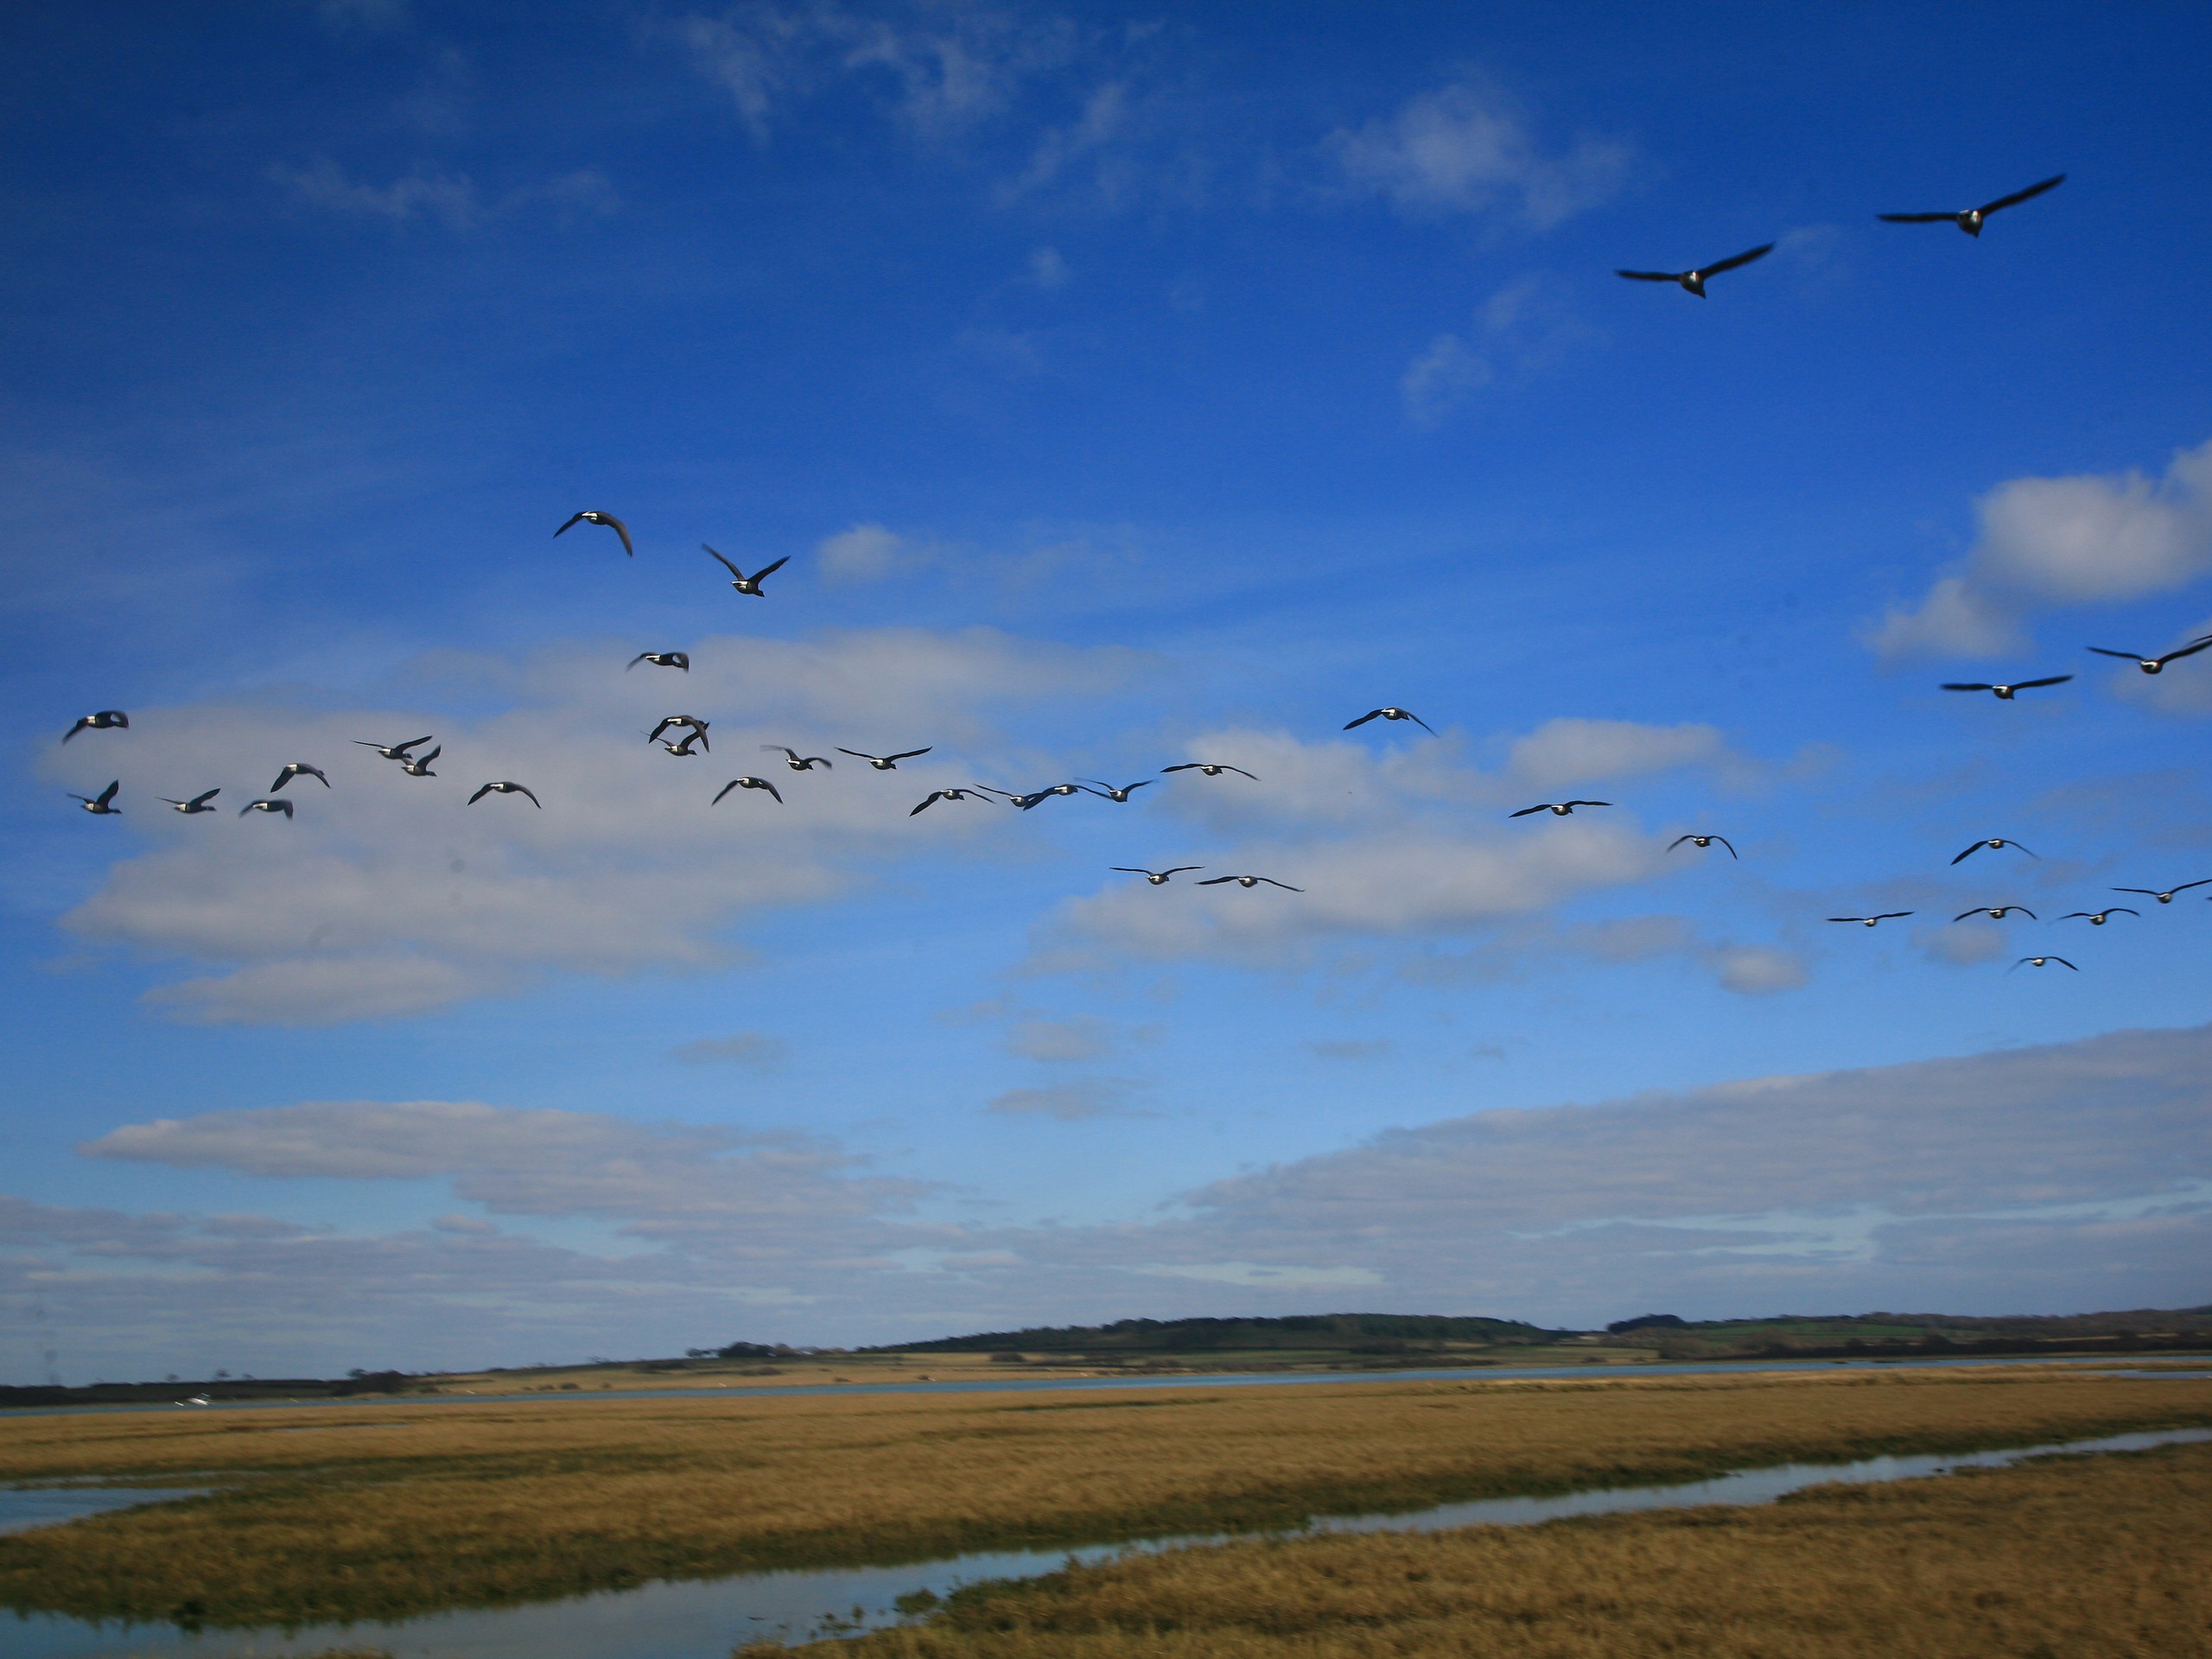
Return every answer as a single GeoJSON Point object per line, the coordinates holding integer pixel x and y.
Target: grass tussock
{"type": "Point", "coordinates": [2088, 1558]}
{"type": "Point", "coordinates": [332, 1513]}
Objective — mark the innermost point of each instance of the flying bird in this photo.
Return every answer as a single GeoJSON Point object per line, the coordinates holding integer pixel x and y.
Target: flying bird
{"type": "Point", "coordinates": [197, 804]}
{"type": "Point", "coordinates": [2167, 896]}
{"type": "Point", "coordinates": [2096, 918]}
{"type": "Point", "coordinates": [1560, 809]}
{"type": "Point", "coordinates": [1391, 713]}
{"type": "Point", "coordinates": [798, 762]}
{"type": "Point", "coordinates": [106, 719]}
{"type": "Point", "coordinates": [503, 787]}
{"type": "Point", "coordinates": [1210, 768]}
{"type": "Point", "coordinates": [660, 659]}
{"type": "Point", "coordinates": [1025, 802]}
{"type": "Point", "coordinates": [2005, 692]}
{"type": "Point", "coordinates": [1969, 219]}
{"type": "Point", "coordinates": [2038, 962]}
{"type": "Point", "coordinates": [391, 751]}
{"type": "Point", "coordinates": [1107, 793]}
{"type": "Point", "coordinates": [1158, 878]}
{"type": "Point", "coordinates": [884, 762]}
{"type": "Point", "coordinates": [1694, 280]}
{"type": "Point", "coordinates": [2156, 664]}
{"type": "Point", "coordinates": [100, 806]}
{"type": "Point", "coordinates": [298, 769]}
{"type": "Point", "coordinates": [1996, 912]}
{"type": "Point", "coordinates": [419, 765]}
{"type": "Point", "coordinates": [285, 807]}
{"type": "Point", "coordinates": [683, 751]}
{"type": "Point", "coordinates": [1249, 881]}
{"type": "Point", "coordinates": [1869, 921]}
{"type": "Point", "coordinates": [937, 795]}
{"type": "Point", "coordinates": [607, 518]}
{"type": "Point", "coordinates": [750, 584]}
{"type": "Point", "coordinates": [1696, 841]}
{"type": "Point", "coordinates": [1992, 843]}
{"type": "Point", "coordinates": [698, 726]}
{"type": "Point", "coordinates": [751, 782]}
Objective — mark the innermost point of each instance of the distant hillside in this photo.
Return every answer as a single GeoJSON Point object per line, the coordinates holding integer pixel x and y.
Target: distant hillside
{"type": "Point", "coordinates": [1853, 1335]}
{"type": "Point", "coordinates": [1305, 1332]}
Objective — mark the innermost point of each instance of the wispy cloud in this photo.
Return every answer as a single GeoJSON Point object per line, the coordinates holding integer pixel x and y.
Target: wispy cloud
{"type": "Point", "coordinates": [450, 199]}
{"type": "Point", "coordinates": [1468, 148]}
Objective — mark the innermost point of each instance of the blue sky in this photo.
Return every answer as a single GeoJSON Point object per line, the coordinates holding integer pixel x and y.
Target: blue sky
{"type": "Point", "coordinates": [1125, 387]}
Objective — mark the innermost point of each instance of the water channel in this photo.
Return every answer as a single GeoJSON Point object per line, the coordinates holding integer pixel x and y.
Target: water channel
{"type": "Point", "coordinates": [704, 1619]}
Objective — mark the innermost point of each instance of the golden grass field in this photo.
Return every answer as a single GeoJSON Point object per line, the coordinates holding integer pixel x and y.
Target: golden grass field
{"type": "Point", "coordinates": [354, 1510]}
{"type": "Point", "coordinates": [2088, 1558]}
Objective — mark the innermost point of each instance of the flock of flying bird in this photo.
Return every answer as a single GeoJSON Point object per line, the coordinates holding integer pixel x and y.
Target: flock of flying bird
{"type": "Point", "coordinates": [693, 739]}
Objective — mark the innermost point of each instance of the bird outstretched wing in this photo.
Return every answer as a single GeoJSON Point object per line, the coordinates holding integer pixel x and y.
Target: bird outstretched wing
{"type": "Point", "coordinates": [725, 564]}
{"type": "Point", "coordinates": [1650, 276]}
{"type": "Point", "coordinates": [1734, 260]}
{"type": "Point", "coordinates": [2015, 198]}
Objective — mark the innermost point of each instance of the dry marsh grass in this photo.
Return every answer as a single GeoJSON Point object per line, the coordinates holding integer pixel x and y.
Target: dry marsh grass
{"type": "Point", "coordinates": [333, 1514]}
{"type": "Point", "coordinates": [2092, 1558]}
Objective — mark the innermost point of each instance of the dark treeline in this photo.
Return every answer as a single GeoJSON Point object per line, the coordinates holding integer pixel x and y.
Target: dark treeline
{"type": "Point", "coordinates": [1347, 1332]}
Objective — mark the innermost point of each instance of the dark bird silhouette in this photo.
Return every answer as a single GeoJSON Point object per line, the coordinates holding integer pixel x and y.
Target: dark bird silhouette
{"type": "Point", "coordinates": [1694, 280]}
{"type": "Point", "coordinates": [102, 804]}
{"type": "Point", "coordinates": [1558, 810]}
{"type": "Point", "coordinates": [2156, 664]}
{"type": "Point", "coordinates": [798, 762]}
{"type": "Point", "coordinates": [2038, 962]}
{"type": "Point", "coordinates": [1869, 921]}
{"type": "Point", "coordinates": [607, 518]}
{"type": "Point", "coordinates": [392, 750]}
{"type": "Point", "coordinates": [2167, 896]}
{"type": "Point", "coordinates": [1210, 768]}
{"type": "Point", "coordinates": [1107, 793]}
{"type": "Point", "coordinates": [1249, 881]}
{"type": "Point", "coordinates": [1969, 219]}
{"type": "Point", "coordinates": [503, 787]}
{"type": "Point", "coordinates": [1996, 912]}
{"type": "Point", "coordinates": [285, 807]}
{"type": "Point", "coordinates": [106, 720]}
{"type": "Point", "coordinates": [884, 762]}
{"type": "Point", "coordinates": [698, 726]}
{"type": "Point", "coordinates": [1701, 842]}
{"type": "Point", "coordinates": [297, 769]}
{"type": "Point", "coordinates": [1992, 843]}
{"type": "Point", "coordinates": [197, 804]}
{"type": "Point", "coordinates": [1158, 878]}
{"type": "Point", "coordinates": [751, 783]}
{"type": "Point", "coordinates": [683, 751]}
{"type": "Point", "coordinates": [937, 795]}
{"type": "Point", "coordinates": [2005, 692]}
{"type": "Point", "coordinates": [419, 765]}
{"type": "Point", "coordinates": [2096, 918]}
{"type": "Point", "coordinates": [660, 659]}
{"type": "Point", "coordinates": [1391, 713]}
{"type": "Point", "coordinates": [1025, 802]}
{"type": "Point", "coordinates": [750, 584]}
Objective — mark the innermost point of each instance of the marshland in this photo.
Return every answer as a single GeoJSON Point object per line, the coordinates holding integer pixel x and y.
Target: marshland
{"type": "Point", "coordinates": [387, 1510]}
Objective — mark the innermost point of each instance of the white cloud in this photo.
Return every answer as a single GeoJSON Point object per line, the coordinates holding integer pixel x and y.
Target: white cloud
{"type": "Point", "coordinates": [1048, 269]}
{"type": "Point", "coordinates": [1440, 377]}
{"type": "Point", "coordinates": [388, 896]}
{"type": "Point", "coordinates": [1464, 149]}
{"type": "Point", "coordinates": [745, 1048]}
{"type": "Point", "coordinates": [2086, 539]}
{"type": "Point", "coordinates": [1757, 970]}
{"type": "Point", "coordinates": [1570, 751]}
{"type": "Point", "coordinates": [865, 553]}
{"type": "Point", "coordinates": [1068, 1101]}
{"type": "Point", "coordinates": [2074, 1176]}
{"type": "Point", "coordinates": [1080, 1037]}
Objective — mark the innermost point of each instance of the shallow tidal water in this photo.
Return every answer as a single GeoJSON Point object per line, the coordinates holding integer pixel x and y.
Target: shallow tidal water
{"type": "Point", "coordinates": [704, 1619]}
